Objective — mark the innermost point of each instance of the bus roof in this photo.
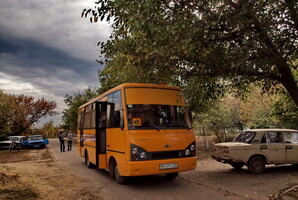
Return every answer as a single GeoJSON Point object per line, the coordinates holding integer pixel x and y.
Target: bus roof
{"type": "Point", "coordinates": [131, 85]}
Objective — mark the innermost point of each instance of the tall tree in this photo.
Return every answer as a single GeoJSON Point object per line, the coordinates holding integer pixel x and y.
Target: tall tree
{"type": "Point", "coordinates": [28, 111]}
{"type": "Point", "coordinates": [6, 113]}
{"type": "Point", "coordinates": [19, 112]}
{"type": "Point", "coordinates": [70, 115]}
{"type": "Point", "coordinates": [200, 43]}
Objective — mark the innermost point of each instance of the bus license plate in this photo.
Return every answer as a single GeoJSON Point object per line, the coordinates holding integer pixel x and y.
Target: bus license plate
{"type": "Point", "coordinates": [168, 166]}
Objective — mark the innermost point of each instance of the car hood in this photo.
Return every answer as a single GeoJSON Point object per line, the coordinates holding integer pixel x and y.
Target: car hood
{"type": "Point", "coordinates": [5, 142]}
{"type": "Point", "coordinates": [30, 141]}
{"type": "Point", "coordinates": [231, 144]}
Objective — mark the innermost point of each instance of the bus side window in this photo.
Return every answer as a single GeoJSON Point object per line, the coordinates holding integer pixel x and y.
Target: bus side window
{"type": "Point", "coordinates": [93, 113]}
{"type": "Point", "coordinates": [116, 117]}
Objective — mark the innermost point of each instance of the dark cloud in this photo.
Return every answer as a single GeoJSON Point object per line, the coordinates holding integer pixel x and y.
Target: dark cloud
{"type": "Point", "coordinates": [47, 49]}
{"type": "Point", "coordinates": [35, 62]}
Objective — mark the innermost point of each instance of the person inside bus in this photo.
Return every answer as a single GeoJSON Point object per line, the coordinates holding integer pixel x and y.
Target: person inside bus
{"type": "Point", "coordinates": [61, 139]}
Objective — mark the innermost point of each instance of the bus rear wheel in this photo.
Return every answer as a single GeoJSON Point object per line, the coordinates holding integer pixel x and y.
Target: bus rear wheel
{"type": "Point", "coordinates": [87, 161]}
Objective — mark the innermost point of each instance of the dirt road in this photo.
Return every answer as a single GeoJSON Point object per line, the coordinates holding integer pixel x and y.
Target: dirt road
{"type": "Point", "coordinates": [65, 176]}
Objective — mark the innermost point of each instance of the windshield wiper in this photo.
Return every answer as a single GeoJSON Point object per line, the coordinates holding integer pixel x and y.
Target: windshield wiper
{"type": "Point", "coordinates": [154, 127]}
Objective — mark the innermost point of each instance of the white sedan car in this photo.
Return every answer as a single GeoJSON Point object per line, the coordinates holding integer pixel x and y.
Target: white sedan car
{"type": "Point", "coordinates": [257, 147]}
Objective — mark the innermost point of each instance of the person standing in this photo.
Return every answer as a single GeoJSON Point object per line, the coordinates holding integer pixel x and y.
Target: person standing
{"type": "Point", "coordinates": [69, 141]}
{"type": "Point", "coordinates": [61, 139]}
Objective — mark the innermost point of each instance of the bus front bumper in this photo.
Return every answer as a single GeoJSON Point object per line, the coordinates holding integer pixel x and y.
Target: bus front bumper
{"type": "Point", "coordinates": [151, 167]}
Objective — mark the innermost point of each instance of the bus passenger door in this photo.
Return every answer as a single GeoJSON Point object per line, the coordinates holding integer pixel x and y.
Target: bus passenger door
{"type": "Point", "coordinates": [103, 113]}
{"type": "Point", "coordinates": [81, 133]}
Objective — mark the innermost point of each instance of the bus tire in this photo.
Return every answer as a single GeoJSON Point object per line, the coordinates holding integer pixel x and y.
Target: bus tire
{"type": "Point", "coordinates": [172, 176]}
{"type": "Point", "coordinates": [119, 179]}
{"type": "Point", "coordinates": [87, 161]}
{"type": "Point", "coordinates": [111, 167]}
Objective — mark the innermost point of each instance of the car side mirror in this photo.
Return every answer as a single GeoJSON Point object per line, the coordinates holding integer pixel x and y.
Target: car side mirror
{"type": "Point", "coordinates": [190, 116]}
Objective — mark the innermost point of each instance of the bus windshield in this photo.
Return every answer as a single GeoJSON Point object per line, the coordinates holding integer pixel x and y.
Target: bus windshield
{"type": "Point", "coordinates": [151, 116]}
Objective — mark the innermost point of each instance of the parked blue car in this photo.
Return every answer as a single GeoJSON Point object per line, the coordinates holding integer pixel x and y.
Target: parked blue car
{"type": "Point", "coordinates": [37, 141]}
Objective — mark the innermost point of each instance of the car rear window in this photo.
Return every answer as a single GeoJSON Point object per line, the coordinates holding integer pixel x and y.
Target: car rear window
{"type": "Point", "coordinates": [245, 137]}
{"type": "Point", "coordinates": [291, 137]}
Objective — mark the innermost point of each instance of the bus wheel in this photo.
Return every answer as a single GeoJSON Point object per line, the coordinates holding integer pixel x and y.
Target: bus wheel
{"type": "Point", "coordinates": [119, 179]}
{"type": "Point", "coordinates": [172, 176]}
{"type": "Point", "coordinates": [87, 161]}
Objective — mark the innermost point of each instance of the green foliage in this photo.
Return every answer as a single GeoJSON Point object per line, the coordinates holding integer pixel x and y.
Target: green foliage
{"type": "Point", "coordinates": [3, 136]}
{"type": "Point", "coordinates": [221, 116]}
{"type": "Point", "coordinates": [70, 115]}
{"type": "Point", "coordinates": [48, 129]}
{"type": "Point", "coordinates": [201, 45]}
{"type": "Point", "coordinates": [257, 110]}
{"type": "Point", "coordinates": [6, 113]}
{"type": "Point", "coordinates": [285, 111]}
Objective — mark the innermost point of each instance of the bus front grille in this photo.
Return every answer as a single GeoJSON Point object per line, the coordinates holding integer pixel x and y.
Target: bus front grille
{"type": "Point", "coordinates": [166, 155]}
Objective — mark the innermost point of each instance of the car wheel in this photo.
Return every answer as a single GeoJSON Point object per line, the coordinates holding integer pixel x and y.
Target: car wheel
{"type": "Point", "coordinates": [119, 179]}
{"type": "Point", "coordinates": [237, 165]}
{"type": "Point", "coordinates": [256, 165]}
{"type": "Point", "coordinates": [172, 176]}
{"type": "Point", "coordinates": [295, 165]}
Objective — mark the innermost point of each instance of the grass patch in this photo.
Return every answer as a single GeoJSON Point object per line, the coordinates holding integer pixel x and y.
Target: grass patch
{"type": "Point", "coordinates": [17, 194]}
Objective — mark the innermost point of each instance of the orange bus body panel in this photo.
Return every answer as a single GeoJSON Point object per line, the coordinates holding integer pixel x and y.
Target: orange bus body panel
{"type": "Point", "coordinates": [119, 140]}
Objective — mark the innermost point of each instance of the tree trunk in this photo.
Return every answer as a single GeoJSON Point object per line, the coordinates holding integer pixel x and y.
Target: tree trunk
{"type": "Point", "coordinates": [288, 80]}
{"type": "Point", "coordinates": [286, 77]}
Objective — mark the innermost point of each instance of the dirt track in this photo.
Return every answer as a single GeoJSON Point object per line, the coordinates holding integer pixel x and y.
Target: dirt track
{"type": "Point", "coordinates": [49, 174]}
{"type": "Point", "coordinates": [34, 174]}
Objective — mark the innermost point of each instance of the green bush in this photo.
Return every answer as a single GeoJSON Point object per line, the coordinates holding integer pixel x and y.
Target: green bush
{"type": "Point", "coordinates": [3, 136]}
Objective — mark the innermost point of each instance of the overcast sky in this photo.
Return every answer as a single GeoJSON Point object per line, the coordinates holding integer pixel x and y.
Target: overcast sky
{"type": "Point", "coordinates": [47, 49]}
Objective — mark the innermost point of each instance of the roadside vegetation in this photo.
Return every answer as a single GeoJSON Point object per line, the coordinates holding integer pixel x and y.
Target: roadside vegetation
{"type": "Point", "coordinates": [235, 60]}
{"type": "Point", "coordinates": [18, 113]}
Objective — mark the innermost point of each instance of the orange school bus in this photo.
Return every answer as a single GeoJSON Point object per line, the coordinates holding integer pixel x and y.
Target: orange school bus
{"type": "Point", "coordinates": [136, 130]}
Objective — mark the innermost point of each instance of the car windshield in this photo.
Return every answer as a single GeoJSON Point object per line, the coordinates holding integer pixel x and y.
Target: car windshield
{"type": "Point", "coordinates": [12, 138]}
{"type": "Point", "coordinates": [245, 137]}
{"type": "Point", "coordinates": [36, 138]}
{"type": "Point", "coordinates": [149, 116]}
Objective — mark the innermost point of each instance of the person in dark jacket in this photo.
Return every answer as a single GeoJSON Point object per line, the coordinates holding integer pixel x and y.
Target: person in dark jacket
{"type": "Point", "coordinates": [61, 139]}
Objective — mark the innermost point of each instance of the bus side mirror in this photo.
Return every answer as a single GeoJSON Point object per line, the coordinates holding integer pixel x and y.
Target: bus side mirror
{"type": "Point", "coordinates": [190, 116]}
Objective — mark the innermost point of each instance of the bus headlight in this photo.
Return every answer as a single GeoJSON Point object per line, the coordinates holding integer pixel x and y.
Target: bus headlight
{"type": "Point", "coordinates": [143, 155]}
{"type": "Point", "coordinates": [134, 151]}
{"type": "Point", "coordinates": [138, 153]}
{"type": "Point", "coordinates": [187, 152]}
{"type": "Point", "coordinates": [192, 147]}
{"type": "Point", "coordinates": [190, 150]}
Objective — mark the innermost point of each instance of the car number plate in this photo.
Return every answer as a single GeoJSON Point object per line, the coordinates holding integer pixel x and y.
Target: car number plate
{"type": "Point", "coordinates": [168, 166]}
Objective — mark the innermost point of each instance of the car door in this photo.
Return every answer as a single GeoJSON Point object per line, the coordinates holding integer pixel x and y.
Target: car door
{"type": "Point", "coordinates": [291, 140]}
{"type": "Point", "coordinates": [24, 141]}
{"type": "Point", "coordinates": [273, 147]}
